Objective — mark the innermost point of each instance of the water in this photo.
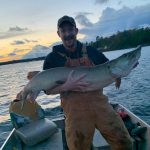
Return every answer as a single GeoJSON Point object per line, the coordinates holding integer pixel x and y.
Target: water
{"type": "Point", "coordinates": [134, 92]}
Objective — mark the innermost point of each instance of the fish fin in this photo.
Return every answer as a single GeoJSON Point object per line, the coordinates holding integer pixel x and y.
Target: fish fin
{"type": "Point", "coordinates": [117, 83]}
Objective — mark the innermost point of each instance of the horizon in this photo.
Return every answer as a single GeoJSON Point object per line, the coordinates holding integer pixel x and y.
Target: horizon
{"type": "Point", "coordinates": [27, 25]}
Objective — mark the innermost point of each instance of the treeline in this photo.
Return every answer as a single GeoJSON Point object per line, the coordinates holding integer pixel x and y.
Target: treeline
{"type": "Point", "coordinates": [123, 40]}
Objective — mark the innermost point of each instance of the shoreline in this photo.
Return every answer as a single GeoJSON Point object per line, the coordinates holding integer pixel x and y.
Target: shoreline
{"type": "Point", "coordinates": [42, 58]}
{"type": "Point", "coordinates": [21, 61]}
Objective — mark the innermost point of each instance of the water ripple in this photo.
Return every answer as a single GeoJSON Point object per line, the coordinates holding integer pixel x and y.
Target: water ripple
{"type": "Point", "coordinates": [134, 92]}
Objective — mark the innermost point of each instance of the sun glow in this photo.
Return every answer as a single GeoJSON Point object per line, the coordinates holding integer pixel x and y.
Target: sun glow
{"type": "Point", "coordinates": [11, 50]}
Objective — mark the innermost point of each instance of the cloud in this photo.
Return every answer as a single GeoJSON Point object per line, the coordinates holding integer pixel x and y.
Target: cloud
{"type": "Point", "coordinates": [113, 20]}
{"type": "Point", "coordinates": [83, 20]}
{"type": "Point", "coordinates": [101, 1]}
{"type": "Point", "coordinates": [14, 31]}
{"type": "Point", "coordinates": [1, 56]}
{"type": "Point", "coordinates": [120, 2]}
{"type": "Point", "coordinates": [12, 54]}
{"type": "Point", "coordinates": [17, 29]}
{"type": "Point", "coordinates": [18, 50]}
{"type": "Point", "coordinates": [20, 42]}
{"type": "Point", "coordinates": [37, 51]}
{"type": "Point", "coordinates": [28, 41]}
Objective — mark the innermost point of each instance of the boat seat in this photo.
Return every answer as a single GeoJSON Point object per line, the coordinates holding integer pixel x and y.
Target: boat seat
{"type": "Point", "coordinates": [52, 143]}
{"type": "Point", "coordinates": [99, 143]}
{"type": "Point", "coordinates": [37, 131]}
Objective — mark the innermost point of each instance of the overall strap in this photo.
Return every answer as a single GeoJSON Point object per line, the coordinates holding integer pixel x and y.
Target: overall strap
{"type": "Point", "coordinates": [79, 61]}
{"type": "Point", "coordinates": [85, 56]}
{"type": "Point", "coordinates": [63, 55]}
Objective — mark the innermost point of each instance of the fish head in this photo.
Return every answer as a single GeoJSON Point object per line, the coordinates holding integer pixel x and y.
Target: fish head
{"type": "Point", "coordinates": [123, 65]}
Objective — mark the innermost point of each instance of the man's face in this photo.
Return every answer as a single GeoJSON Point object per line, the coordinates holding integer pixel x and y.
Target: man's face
{"type": "Point", "coordinates": [67, 32]}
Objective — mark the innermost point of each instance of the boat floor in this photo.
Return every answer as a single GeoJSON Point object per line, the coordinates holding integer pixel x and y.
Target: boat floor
{"type": "Point", "coordinates": [56, 143]}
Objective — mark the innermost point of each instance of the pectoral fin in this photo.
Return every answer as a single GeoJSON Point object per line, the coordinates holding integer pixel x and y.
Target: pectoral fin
{"type": "Point", "coordinates": [118, 83]}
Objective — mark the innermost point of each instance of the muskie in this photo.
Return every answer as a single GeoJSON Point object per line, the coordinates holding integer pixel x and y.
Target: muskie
{"type": "Point", "coordinates": [98, 76]}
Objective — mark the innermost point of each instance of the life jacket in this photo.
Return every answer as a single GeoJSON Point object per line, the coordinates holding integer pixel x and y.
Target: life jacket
{"type": "Point", "coordinates": [79, 61]}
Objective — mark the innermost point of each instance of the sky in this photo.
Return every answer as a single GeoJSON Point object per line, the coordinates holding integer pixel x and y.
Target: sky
{"type": "Point", "coordinates": [31, 25]}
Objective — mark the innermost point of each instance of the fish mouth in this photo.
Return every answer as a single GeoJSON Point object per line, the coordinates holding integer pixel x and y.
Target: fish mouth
{"type": "Point", "coordinates": [133, 59]}
{"type": "Point", "coordinates": [135, 65]}
{"type": "Point", "coordinates": [130, 62]}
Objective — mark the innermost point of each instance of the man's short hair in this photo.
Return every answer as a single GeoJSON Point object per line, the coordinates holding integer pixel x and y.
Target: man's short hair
{"type": "Point", "coordinates": [66, 19]}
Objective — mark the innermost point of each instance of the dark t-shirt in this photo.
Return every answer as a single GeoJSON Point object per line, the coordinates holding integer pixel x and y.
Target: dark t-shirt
{"type": "Point", "coordinates": [54, 59]}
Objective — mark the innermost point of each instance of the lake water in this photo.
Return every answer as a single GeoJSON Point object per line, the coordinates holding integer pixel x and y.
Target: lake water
{"type": "Point", "coordinates": [134, 92]}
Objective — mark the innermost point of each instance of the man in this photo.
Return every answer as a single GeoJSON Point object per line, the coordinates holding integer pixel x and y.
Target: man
{"type": "Point", "coordinates": [84, 111]}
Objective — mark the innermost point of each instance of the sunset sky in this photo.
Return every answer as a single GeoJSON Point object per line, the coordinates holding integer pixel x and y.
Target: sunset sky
{"type": "Point", "coordinates": [25, 24]}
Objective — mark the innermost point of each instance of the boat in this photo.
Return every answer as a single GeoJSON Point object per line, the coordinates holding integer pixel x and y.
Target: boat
{"type": "Point", "coordinates": [57, 141]}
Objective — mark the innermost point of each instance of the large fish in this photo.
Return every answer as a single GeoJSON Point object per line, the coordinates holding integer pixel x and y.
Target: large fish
{"type": "Point", "coordinates": [98, 76]}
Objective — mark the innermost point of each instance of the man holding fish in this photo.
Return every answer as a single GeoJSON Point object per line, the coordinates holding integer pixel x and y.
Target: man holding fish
{"type": "Point", "coordinates": [84, 111]}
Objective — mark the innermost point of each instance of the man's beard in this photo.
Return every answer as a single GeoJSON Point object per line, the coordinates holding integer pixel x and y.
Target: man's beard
{"type": "Point", "coordinates": [69, 37]}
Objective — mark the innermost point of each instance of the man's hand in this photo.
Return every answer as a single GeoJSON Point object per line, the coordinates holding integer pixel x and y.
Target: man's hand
{"type": "Point", "coordinates": [75, 83]}
{"type": "Point", "coordinates": [31, 74]}
{"type": "Point", "coordinates": [72, 84]}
